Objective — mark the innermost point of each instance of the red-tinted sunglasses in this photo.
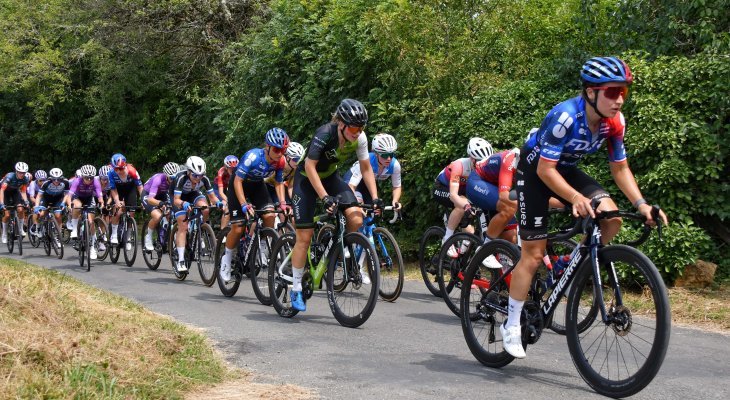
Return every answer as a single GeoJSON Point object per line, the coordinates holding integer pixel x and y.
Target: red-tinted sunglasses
{"type": "Point", "coordinates": [612, 92]}
{"type": "Point", "coordinates": [277, 150]}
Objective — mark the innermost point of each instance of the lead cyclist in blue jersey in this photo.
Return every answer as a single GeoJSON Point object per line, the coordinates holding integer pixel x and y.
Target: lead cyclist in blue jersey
{"type": "Point", "coordinates": [548, 167]}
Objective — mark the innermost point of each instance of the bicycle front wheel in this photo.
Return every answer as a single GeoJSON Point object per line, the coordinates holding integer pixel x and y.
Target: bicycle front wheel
{"type": "Point", "coordinates": [153, 257]}
{"type": "Point", "coordinates": [259, 264]}
{"type": "Point", "coordinates": [102, 246]}
{"type": "Point", "coordinates": [11, 236]}
{"type": "Point", "coordinates": [231, 287]}
{"type": "Point", "coordinates": [621, 356]}
{"type": "Point", "coordinates": [450, 273]}
{"type": "Point", "coordinates": [55, 236]}
{"type": "Point", "coordinates": [33, 239]}
{"type": "Point", "coordinates": [280, 280]}
{"type": "Point", "coordinates": [206, 255]}
{"type": "Point", "coordinates": [428, 257]}
{"type": "Point", "coordinates": [130, 242]}
{"type": "Point", "coordinates": [392, 270]}
{"type": "Point", "coordinates": [353, 305]}
{"type": "Point", "coordinates": [19, 236]}
{"type": "Point", "coordinates": [481, 316]}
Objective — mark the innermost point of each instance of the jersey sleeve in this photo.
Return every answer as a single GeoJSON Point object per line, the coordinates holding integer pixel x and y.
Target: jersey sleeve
{"type": "Point", "coordinates": [395, 178]}
{"type": "Point", "coordinates": [355, 176]}
{"type": "Point", "coordinates": [506, 172]}
{"type": "Point", "coordinates": [456, 170]}
{"type": "Point", "coordinates": [154, 187]}
{"type": "Point", "coordinates": [206, 184]}
{"type": "Point", "coordinates": [362, 147]}
{"type": "Point", "coordinates": [97, 186]}
{"type": "Point", "coordinates": [279, 170]}
{"type": "Point", "coordinates": [179, 184]}
{"type": "Point", "coordinates": [616, 130]}
{"type": "Point", "coordinates": [74, 186]}
{"type": "Point", "coordinates": [112, 180]}
{"type": "Point", "coordinates": [134, 174]}
{"type": "Point", "coordinates": [558, 124]}
{"type": "Point", "coordinates": [319, 143]}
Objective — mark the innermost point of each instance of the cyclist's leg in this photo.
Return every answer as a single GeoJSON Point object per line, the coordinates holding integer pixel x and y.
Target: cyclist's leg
{"type": "Point", "coordinates": [303, 199]}
{"type": "Point", "coordinates": [441, 195]}
{"type": "Point", "coordinates": [591, 189]}
{"type": "Point", "coordinates": [258, 195]}
{"type": "Point", "coordinates": [485, 195]}
{"type": "Point", "coordinates": [234, 235]}
{"type": "Point", "coordinates": [337, 187]}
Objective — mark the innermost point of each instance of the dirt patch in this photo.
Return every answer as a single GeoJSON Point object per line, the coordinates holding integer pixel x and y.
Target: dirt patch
{"type": "Point", "coordinates": [245, 389]}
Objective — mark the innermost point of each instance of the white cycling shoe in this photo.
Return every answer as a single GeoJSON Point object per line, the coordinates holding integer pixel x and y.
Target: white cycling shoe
{"type": "Point", "coordinates": [512, 341]}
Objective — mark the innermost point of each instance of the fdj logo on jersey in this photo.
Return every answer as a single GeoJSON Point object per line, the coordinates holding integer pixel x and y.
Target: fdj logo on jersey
{"type": "Point", "coordinates": [583, 145]}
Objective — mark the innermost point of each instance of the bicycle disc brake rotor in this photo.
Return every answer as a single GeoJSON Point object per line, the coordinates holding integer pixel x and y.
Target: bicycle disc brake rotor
{"type": "Point", "coordinates": [621, 320]}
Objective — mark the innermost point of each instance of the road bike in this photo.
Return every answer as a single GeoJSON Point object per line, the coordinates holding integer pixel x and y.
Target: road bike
{"type": "Point", "coordinates": [429, 249]}
{"type": "Point", "coordinates": [160, 237]}
{"type": "Point", "coordinates": [49, 232]}
{"type": "Point", "coordinates": [616, 350]}
{"type": "Point", "coordinates": [84, 239]}
{"type": "Point", "coordinates": [251, 258]}
{"type": "Point", "coordinates": [351, 301]}
{"type": "Point", "coordinates": [199, 246]}
{"type": "Point", "coordinates": [14, 235]}
{"type": "Point", "coordinates": [392, 270]}
{"type": "Point", "coordinates": [126, 237]}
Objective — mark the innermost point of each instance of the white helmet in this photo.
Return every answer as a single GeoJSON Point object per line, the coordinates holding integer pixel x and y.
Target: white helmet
{"type": "Point", "coordinates": [56, 173]}
{"type": "Point", "coordinates": [88, 171]}
{"type": "Point", "coordinates": [21, 167]}
{"type": "Point", "coordinates": [170, 169]}
{"type": "Point", "coordinates": [384, 143]}
{"type": "Point", "coordinates": [295, 150]}
{"type": "Point", "coordinates": [479, 149]}
{"type": "Point", "coordinates": [195, 165]}
{"type": "Point", "coordinates": [78, 173]}
{"type": "Point", "coordinates": [104, 171]}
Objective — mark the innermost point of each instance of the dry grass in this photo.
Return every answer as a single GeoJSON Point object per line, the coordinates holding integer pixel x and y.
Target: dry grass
{"type": "Point", "coordinates": [63, 339]}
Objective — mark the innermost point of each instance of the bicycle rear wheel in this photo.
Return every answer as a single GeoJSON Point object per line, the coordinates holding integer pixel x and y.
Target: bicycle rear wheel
{"type": "Point", "coordinates": [450, 271]}
{"type": "Point", "coordinates": [259, 264]}
{"type": "Point", "coordinates": [480, 320]}
{"type": "Point", "coordinates": [101, 244]}
{"type": "Point", "coordinates": [279, 282]}
{"type": "Point", "coordinates": [33, 239]}
{"type": "Point", "coordinates": [11, 236]}
{"type": "Point", "coordinates": [392, 270]}
{"type": "Point", "coordinates": [206, 255]}
{"type": "Point", "coordinates": [172, 250]}
{"type": "Point", "coordinates": [428, 256]}
{"type": "Point", "coordinates": [18, 235]}
{"type": "Point", "coordinates": [353, 305]}
{"type": "Point", "coordinates": [230, 288]}
{"type": "Point", "coordinates": [556, 250]}
{"type": "Point", "coordinates": [153, 257]}
{"type": "Point", "coordinates": [620, 357]}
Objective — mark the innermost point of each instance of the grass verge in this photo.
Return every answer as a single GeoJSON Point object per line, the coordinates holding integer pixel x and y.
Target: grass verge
{"type": "Point", "coordinates": [61, 338]}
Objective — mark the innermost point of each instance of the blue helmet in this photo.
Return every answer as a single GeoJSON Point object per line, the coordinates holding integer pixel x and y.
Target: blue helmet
{"type": "Point", "coordinates": [277, 137]}
{"type": "Point", "coordinates": [600, 70]}
{"type": "Point", "coordinates": [118, 160]}
{"type": "Point", "coordinates": [230, 161]}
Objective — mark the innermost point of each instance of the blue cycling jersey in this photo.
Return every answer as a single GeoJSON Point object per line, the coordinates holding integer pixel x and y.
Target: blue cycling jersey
{"type": "Point", "coordinates": [564, 136]}
{"type": "Point", "coordinates": [392, 171]}
{"type": "Point", "coordinates": [253, 167]}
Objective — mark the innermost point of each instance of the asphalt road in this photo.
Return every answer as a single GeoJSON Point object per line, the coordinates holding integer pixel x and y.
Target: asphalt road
{"type": "Point", "coordinates": [410, 349]}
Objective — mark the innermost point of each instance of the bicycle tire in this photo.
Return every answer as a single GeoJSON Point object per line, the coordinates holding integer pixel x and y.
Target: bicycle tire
{"type": "Point", "coordinates": [325, 233]}
{"type": "Point", "coordinates": [100, 230]}
{"type": "Point", "coordinates": [227, 289]}
{"type": "Point", "coordinates": [392, 269]}
{"type": "Point", "coordinates": [280, 288]}
{"type": "Point", "coordinates": [33, 239]}
{"type": "Point", "coordinates": [621, 342]}
{"type": "Point", "coordinates": [114, 249]}
{"type": "Point", "coordinates": [172, 251]}
{"type": "Point", "coordinates": [557, 319]}
{"type": "Point", "coordinates": [352, 307]}
{"type": "Point", "coordinates": [480, 323]}
{"type": "Point", "coordinates": [19, 235]}
{"type": "Point", "coordinates": [46, 237]}
{"type": "Point", "coordinates": [206, 255]}
{"type": "Point", "coordinates": [259, 264]}
{"type": "Point", "coordinates": [130, 238]}
{"type": "Point", "coordinates": [152, 258]}
{"type": "Point", "coordinates": [65, 232]}
{"type": "Point", "coordinates": [11, 236]}
{"type": "Point", "coordinates": [428, 251]}
{"type": "Point", "coordinates": [449, 269]}
{"type": "Point", "coordinates": [55, 237]}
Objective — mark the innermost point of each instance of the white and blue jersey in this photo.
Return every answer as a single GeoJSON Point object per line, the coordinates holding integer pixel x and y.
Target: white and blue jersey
{"type": "Point", "coordinates": [353, 177]}
{"type": "Point", "coordinates": [564, 136]}
{"type": "Point", "coordinates": [253, 167]}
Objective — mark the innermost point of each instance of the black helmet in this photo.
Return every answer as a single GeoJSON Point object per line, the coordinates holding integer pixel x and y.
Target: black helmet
{"type": "Point", "coordinates": [352, 112]}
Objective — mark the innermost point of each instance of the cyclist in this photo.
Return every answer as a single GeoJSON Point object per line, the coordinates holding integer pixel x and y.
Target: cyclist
{"type": "Point", "coordinates": [450, 186]}
{"type": "Point", "coordinates": [156, 192]}
{"type": "Point", "coordinates": [13, 193]}
{"type": "Point", "coordinates": [548, 167]}
{"type": "Point", "coordinates": [488, 188]}
{"type": "Point", "coordinates": [317, 178]}
{"type": "Point", "coordinates": [384, 165]}
{"type": "Point", "coordinates": [33, 192]}
{"type": "Point", "coordinates": [85, 192]}
{"type": "Point", "coordinates": [123, 179]}
{"type": "Point", "coordinates": [51, 194]}
{"type": "Point", "coordinates": [186, 188]}
{"type": "Point", "coordinates": [247, 185]}
{"type": "Point", "coordinates": [221, 184]}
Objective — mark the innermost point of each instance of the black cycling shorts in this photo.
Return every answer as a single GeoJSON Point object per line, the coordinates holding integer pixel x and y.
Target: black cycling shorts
{"type": "Point", "coordinates": [305, 197]}
{"type": "Point", "coordinates": [12, 197]}
{"type": "Point", "coordinates": [441, 195]}
{"type": "Point", "coordinates": [533, 197]}
{"type": "Point", "coordinates": [255, 193]}
{"type": "Point", "coordinates": [161, 196]}
{"type": "Point", "coordinates": [128, 194]}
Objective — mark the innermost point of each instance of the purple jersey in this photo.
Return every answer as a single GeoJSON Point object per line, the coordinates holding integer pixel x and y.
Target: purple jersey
{"type": "Point", "coordinates": [157, 185]}
{"type": "Point", "coordinates": [79, 188]}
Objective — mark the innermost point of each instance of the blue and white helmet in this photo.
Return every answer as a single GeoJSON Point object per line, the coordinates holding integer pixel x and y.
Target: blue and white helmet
{"type": "Point", "coordinates": [40, 175]}
{"type": "Point", "coordinates": [171, 169]}
{"type": "Point", "coordinates": [118, 160]}
{"type": "Point", "coordinates": [479, 149]}
{"type": "Point", "coordinates": [277, 137]}
{"type": "Point", "coordinates": [295, 151]}
{"type": "Point", "coordinates": [104, 171]}
{"type": "Point", "coordinates": [600, 70]}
